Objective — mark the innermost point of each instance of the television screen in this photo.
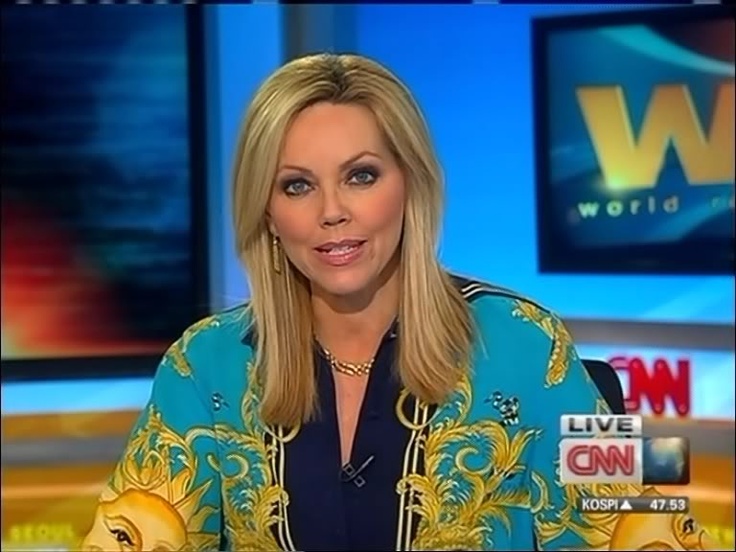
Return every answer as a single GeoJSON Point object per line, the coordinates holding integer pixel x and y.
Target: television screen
{"type": "Point", "coordinates": [634, 123]}
{"type": "Point", "coordinates": [102, 176]}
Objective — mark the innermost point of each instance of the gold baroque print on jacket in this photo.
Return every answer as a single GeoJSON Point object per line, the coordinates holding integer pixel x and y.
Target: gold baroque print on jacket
{"type": "Point", "coordinates": [177, 351]}
{"type": "Point", "coordinates": [251, 468]}
{"type": "Point", "coordinates": [464, 487]}
{"type": "Point", "coordinates": [152, 500]}
{"type": "Point", "coordinates": [563, 351]}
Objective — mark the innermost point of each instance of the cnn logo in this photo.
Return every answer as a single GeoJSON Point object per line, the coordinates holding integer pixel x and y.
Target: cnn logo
{"type": "Point", "coordinates": [600, 449]}
{"type": "Point", "coordinates": [610, 460]}
{"type": "Point", "coordinates": [655, 387]}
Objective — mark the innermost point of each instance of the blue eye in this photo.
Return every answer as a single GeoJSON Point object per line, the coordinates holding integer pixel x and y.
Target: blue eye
{"type": "Point", "coordinates": [296, 187]}
{"type": "Point", "coordinates": [364, 177]}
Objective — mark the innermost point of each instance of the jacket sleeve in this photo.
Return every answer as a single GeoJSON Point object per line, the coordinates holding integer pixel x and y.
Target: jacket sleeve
{"type": "Point", "coordinates": [567, 389]}
{"type": "Point", "coordinates": [164, 493]}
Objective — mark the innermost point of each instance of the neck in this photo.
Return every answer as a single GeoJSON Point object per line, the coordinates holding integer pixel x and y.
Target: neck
{"type": "Point", "coordinates": [351, 327]}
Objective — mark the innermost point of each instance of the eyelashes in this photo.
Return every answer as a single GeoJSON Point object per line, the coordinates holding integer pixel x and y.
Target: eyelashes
{"type": "Point", "coordinates": [295, 186]}
{"type": "Point", "coordinates": [362, 176]}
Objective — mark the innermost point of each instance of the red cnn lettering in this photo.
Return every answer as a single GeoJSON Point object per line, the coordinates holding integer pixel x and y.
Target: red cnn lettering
{"type": "Point", "coordinates": [656, 385]}
{"type": "Point", "coordinates": [592, 460]}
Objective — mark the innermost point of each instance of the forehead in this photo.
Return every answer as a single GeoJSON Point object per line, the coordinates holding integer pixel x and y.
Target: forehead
{"type": "Point", "coordinates": [332, 130]}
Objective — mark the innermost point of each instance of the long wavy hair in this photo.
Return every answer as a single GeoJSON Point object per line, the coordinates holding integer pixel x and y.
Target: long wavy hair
{"type": "Point", "coordinates": [435, 329]}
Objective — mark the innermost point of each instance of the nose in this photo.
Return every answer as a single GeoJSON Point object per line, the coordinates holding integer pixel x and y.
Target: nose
{"type": "Point", "coordinates": [334, 211]}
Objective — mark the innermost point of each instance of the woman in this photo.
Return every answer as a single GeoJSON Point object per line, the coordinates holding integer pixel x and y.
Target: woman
{"type": "Point", "coordinates": [364, 399]}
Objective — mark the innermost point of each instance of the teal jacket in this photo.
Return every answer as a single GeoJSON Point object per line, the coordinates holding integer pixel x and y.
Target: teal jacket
{"type": "Point", "coordinates": [202, 472]}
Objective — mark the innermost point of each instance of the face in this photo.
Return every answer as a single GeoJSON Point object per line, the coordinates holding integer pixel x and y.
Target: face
{"type": "Point", "coordinates": [338, 200]}
{"type": "Point", "coordinates": [136, 520]}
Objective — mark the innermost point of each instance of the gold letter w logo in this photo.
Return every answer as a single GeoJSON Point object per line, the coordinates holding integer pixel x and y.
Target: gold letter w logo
{"type": "Point", "coordinates": [628, 163]}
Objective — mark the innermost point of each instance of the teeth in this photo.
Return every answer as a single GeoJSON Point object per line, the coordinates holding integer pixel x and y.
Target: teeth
{"type": "Point", "coordinates": [342, 250]}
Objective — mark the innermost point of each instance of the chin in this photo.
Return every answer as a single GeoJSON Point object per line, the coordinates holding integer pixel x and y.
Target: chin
{"type": "Point", "coordinates": [343, 287]}
{"type": "Point", "coordinates": [343, 284]}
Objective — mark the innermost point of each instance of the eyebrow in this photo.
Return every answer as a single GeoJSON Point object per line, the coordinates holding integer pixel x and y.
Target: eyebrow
{"type": "Point", "coordinates": [344, 165]}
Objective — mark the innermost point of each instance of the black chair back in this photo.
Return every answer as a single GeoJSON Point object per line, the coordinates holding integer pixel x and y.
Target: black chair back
{"type": "Point", "coordinates": [606, 380]}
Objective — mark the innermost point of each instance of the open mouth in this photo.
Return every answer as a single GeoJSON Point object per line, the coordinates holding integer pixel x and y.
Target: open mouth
{"type": "Point", "coordinates": [340, 253]}
{"type": "Point", "coordinates": [338, 250]}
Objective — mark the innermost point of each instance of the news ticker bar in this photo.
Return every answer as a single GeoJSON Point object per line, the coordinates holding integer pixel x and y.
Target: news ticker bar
{"type": "Point", "coordinates": [308, 2]}
{"type": "Point", "coordinates": [635, 505]}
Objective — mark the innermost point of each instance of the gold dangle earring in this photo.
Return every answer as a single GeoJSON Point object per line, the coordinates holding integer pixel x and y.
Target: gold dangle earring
{"type": "Point", "coordinates": [276, 255]}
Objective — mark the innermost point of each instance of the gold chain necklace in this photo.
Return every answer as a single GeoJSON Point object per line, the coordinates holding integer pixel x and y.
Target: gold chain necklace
{"type": "Point", "coordinates": [349, 368]}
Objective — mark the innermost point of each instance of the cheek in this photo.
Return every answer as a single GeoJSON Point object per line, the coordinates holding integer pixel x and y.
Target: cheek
{"type": "Point", "coordinates": [291, 223]}
{"type": "Point", "coordinates": [387, 211]}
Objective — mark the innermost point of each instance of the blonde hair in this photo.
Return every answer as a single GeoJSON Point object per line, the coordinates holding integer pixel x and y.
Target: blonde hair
{"type": "Point", "coordinates": [434, 336]}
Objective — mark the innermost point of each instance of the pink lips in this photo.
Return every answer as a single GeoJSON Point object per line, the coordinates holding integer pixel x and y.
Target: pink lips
{"type": "Point", "coordinates": [340, 253]}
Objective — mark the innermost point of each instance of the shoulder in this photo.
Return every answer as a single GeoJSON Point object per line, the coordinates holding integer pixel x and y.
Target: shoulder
{"type": "Point", "coordinates": [216, 346]}
{"type": "Point", "coordinates": [505, 308]}
{"type": "Point", "coordinates": [227, 328]}
{"type": "Point", "coordinates": [515, 332]}
{"type": "Point", "coordinates": [473, 289]}
{"type": "Point", "coordinates": [509, 324]}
